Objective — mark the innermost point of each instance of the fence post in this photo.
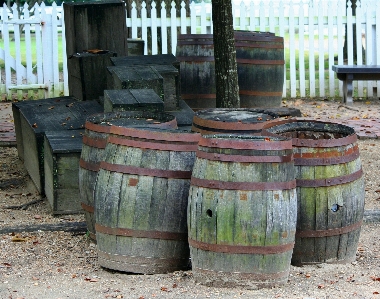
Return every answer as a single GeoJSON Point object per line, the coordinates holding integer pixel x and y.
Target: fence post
{"type": "Point", "coordinates": [47, 51]}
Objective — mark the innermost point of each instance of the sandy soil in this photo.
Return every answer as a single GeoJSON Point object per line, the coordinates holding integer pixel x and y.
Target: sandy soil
{"type": "Point", "coordinates": [52, 265]}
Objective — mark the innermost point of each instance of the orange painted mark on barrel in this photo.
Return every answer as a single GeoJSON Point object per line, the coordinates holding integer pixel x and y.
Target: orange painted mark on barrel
{"type": "Point", "coordinates": [133, 182]}
{"type": "Point", "coordinates": [243, 196]}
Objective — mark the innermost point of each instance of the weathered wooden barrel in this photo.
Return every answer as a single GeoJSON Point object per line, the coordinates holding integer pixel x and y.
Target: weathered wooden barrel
{"type": "Point", "coordinates": [330, 189]}
{"type": "Point", "coordinates": [231, 121]}
{"type": "Point", "coordinates": [242, 210]}
{"type": "Point", "coordinates": [97, 129]}
{"type": "Point", "coordinates": [260, 66]}
{"type": "Point", "coordinates": [141, 198]}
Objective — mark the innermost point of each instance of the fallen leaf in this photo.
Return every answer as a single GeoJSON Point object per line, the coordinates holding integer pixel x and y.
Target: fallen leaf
{"type": "Point", "coordinates": [18, 239]}
{"type": "Point", "coordinates": [307, 275]}
{"type": "Point", "coordinates": [7, 264]}
{"type": "Point", "coordinates": [164, 289]}
{"type": "Point", "coordinates": [174, 285]}
{"type": "Point", "coordinates": [374, 278]}
{"type": "Point", "coordinates": [375, 293]}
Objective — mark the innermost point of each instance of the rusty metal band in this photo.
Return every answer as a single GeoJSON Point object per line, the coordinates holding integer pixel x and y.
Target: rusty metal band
{"type": "Point", "coordinates": [326, 161]}
{"type": "Point", "coordinates": [126, 131]}
{"type": "Point", "coordinates": [344, 179]}
{"type": "Point", "coordinates": [328, 232]}
{"type": "Point", "coordinates": [161, 135]}
{"type": "Point", "coordinates": [198, 96]}
{"type": "Point", "coordinates": [185, 147]}
{"type": "Point", "coordinates": [97, 128]}
{"type": "Point", "coordinates": [260, 93]}
{"type": "Point", "coordinates": [160, 173]}
{"type": "Point", "coordinates": [246, 186]}
{"type": "Point", "coordinates": [95, 142]}
{"type": "Point", "coordinates": [198, 121]}
{"type": "Point", "coordinates": [267, 279]}
{"type": "Point", "coordinates": [126, 232]}
{"type": "Point", "coordinates": [196, 58]}
{"type": "Point", "coordinates": [87, 208]}
{"type": "Point", "coordinates": [332, 153]}
{"type": "Point", "coordinates": [240, 249]}
{"type": "Point", "coordinates": [91, 166]}
{"type": "Point", "coordinates": [260, 62]}
{"type": "Point", "coordinates": [244, 144]}
{"type": "Point", "coordinates": [243, 159]}
{"type": "Point", "coordinates": [325, 142]}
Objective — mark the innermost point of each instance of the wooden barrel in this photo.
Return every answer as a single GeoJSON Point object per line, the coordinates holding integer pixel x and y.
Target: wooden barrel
{"type": "Point", "coordinates": [260, 66]}
{"type": "Point", "coordinates": [242, 210]}
{"type": "Point", "coordinates": [141, 198]}
{"type": "Point", "coordinates": [330, 190]}
{"type": "Point", "coordinates": [231, 121]}
{"type": "Point", "coordinates": [97, 129]}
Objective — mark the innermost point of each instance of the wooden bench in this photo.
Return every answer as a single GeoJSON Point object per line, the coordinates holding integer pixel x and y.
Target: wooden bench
{"type": "Point", "coordinates": [349, 73]}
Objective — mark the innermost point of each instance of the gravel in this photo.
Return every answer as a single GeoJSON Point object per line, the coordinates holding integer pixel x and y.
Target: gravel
{"type": "Point", "coordinates": [58, 264]}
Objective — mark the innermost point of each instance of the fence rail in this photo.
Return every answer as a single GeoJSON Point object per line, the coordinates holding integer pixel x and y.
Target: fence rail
{"type": "Point", "coordinates": [33, 59]}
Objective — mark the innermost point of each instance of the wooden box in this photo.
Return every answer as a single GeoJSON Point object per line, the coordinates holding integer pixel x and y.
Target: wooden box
{"type": "Point", "coordinates": [18, 106]}
{"type": "Point", "coordinates": [66, 114]}
{"type": "Point", "coordinates": [96, 25]}
{"type": "Point", "coordinates": [62, 150]}
{"type": "Point", "coordinates": [87, 74]}
{"type": "Point", "coordinates": [135, 77]}
{"type": "Point", "coordinates": [132, 99]}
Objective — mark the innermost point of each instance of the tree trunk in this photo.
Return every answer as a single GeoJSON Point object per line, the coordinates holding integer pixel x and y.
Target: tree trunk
{"type": "Point", "coordinates": [226, 78]}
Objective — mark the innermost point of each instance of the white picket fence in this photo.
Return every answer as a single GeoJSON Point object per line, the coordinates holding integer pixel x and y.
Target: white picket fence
{"type": "Point", "coordinates": [314, 32]}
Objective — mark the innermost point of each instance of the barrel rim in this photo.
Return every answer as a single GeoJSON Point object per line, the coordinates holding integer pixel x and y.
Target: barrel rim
{"type": "Point", "coordinates": [325, 143]}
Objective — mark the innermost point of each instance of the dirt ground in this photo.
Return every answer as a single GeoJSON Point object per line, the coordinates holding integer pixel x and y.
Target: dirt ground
{"type": "Point", "coordinates": [57, 264]}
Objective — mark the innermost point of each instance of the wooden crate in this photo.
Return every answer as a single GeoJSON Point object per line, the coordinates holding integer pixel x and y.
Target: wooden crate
{"type": "Point", "coordinates": [62, 150]}
{"type": "Point", "coordinates": [135, 77]}
{"type": "Point", "coordinates": [132, 99]}
{"type": "Point", "coordinates": [35, 120]}
{"type": "Point", "coordinates": [87, 74]}
{"type": "Point", "coordinates": [17, 106]}
{"type": "Point", "coordinates": [167, 66]}
{"type": "Point", "coordinates": [96, 25]}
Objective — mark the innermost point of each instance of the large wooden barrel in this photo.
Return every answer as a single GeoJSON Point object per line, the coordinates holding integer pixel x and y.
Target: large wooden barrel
{"type": "Point", "coordinates": [97, 129]}
{"type": "Point", "coordinates": [242, 210]}
{"type": "Point", "coordinates": [141, 198]}
{"type": "Point", "coordinates": [330, 189]}
{"type": "Point", "coordinates": [231, 121]}
{"type": "Point", "coordinates": [260, 66]}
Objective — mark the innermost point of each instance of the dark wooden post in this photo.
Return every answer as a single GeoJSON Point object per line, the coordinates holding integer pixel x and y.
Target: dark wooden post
{"type": "Point", "coordinates": [96, 25]}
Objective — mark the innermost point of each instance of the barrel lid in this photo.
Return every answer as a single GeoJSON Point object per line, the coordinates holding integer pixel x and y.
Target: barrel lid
{"type": "Point", "coordinates": [102, 122]}
{"type": "Point", "coordinates": [234, 119]}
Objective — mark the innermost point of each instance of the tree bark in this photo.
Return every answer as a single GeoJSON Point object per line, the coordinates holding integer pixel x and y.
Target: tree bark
{"type": "Point", "coordinates": [226, 78]}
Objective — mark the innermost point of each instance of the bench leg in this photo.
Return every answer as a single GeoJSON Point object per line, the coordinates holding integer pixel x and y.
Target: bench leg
{"type": "Point", "coordinates": [347, 90]}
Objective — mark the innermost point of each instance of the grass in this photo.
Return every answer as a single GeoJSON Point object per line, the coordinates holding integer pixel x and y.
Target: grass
{"type": "Point", "coordinates": [12, 48]}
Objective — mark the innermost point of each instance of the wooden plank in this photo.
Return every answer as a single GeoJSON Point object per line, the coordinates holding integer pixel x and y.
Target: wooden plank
{"type": "Point", "coordinates": [132, 99]}
{"type": "Point", "coordinates": [62, 151]}
{"type": "Point", "coordinates": [83, 32]}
